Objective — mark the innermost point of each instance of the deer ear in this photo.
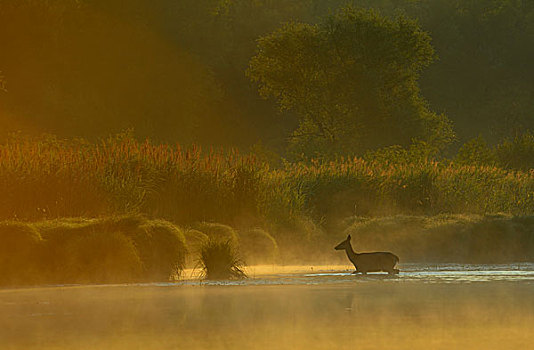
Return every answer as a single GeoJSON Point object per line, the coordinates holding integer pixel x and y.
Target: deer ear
{"type": "Point", "coordinates": [348, 238]}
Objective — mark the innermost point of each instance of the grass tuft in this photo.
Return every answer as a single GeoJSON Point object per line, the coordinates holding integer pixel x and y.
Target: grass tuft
{"type": "Point", "coordinates": [219, 260]}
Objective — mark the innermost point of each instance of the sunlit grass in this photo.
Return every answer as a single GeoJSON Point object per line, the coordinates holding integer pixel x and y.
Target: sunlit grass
{"type": "Point", "coordinates": [289, 212]}
{"type": "Point", "coordinates": [219, 260]}
{"type": "Point", "coordinates": [51, 178]}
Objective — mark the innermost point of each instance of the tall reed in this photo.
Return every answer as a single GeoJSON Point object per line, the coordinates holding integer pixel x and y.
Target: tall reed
{"type": "Point", "coordinates": [51, 178]}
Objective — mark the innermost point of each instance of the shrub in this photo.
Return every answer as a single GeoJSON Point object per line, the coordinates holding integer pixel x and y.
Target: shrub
{"type": "Point", "coordinates": [216, 231]}
{"type": "Point", "coordinates": [194, 240]}
{"type": "Point", "coordinates": [115, 249]}
{"type": "Point", "coordinates": [219, 260]}
{"type": "Point", "coordinates": [162, 249]}
{"type": "Point", "coordinates": [99, 257]}
{"type": "Point", "coordinates": [517, 153]}
{"type": "Point", "coordinates": [258, 246]}
{"type": "Point", "coordinates": [475, 152]}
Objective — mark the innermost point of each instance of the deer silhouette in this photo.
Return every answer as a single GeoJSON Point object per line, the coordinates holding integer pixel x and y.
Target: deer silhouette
{"type": "Point", "coordinates": [369, 262]}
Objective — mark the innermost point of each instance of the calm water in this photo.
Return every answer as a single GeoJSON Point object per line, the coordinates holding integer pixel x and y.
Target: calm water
{"type": "Point", "coordinates": [425, 307]}
{"type": "Point", "coordinates": [324, 275]}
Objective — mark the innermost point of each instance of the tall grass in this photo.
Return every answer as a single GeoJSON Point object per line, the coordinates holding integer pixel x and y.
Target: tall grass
{"type": "Point", "coordinates": [446, 238]}
{"type": "Point", "coordinates": [284, 215]}
{"type": "Point", "coordinates": [219, 260]}
{"type": "Point", "coordinates": [50, 178]}
{"type": "Point", "coordinates": [358, 187]}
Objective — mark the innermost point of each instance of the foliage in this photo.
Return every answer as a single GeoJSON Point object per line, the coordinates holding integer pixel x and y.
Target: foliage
{"type": "Point", "coordinates": [219, 260]}
{"type": "Point", "coordinates": [447, 238]}
{"type": "Point", "coordinates": [81, 250]}
{"type": "Point", "coordinates": [174, 69]}
{"type": "Point", "coordinates": [216, 231]}
{"type": "Point", "coordinates": [162, 249]}
{"type": "Point", "coordinates": [334, 190]}
{"type": "Point", "coordinates": [517, 153]}
{"type": "Point", "coordinates": [258, 246]}
{"type": "Point", "coordinates": [475, 152]}
{"type": "Point", "coordinates": [418, 152]}
{"type": "Point", "coordinates": [51, 178]}
{"type": "Point", "coordinates": [353, 81]}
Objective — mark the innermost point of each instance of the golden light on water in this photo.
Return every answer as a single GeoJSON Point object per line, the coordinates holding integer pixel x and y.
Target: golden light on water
{"type": "Point", "coordinates": [367, 315]}
{"type": "Point", "coordinates": [153, 151]}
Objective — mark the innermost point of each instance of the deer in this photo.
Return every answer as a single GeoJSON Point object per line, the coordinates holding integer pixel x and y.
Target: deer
{"type": "Point", "coordinates": [369, 262]}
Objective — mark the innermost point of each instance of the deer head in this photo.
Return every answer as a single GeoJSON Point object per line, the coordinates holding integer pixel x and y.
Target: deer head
{"type": "Point", "coordinates": [343, 245]}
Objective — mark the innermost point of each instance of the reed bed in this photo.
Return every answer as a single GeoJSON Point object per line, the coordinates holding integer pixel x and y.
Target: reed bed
{"type": "Point", "coordinates": [358, 187]}
{"type": "Point", "coordinates": [51, 178]}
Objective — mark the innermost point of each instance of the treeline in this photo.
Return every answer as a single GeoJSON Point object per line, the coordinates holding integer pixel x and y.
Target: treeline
{"type": "Point", "coordinates": [175, 70]}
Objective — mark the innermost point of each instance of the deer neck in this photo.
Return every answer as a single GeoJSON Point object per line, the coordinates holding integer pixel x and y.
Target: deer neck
{"type": "Point", "coordinates": [351, 254]}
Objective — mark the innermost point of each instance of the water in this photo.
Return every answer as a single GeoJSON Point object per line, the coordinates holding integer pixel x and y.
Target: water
{"type": "Point", "coordinates": [324, 275]}
{"type": "Point", "coordinates": [299, 307]}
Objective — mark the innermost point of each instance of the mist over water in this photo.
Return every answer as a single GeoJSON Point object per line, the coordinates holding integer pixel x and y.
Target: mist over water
{"type": "Point", "coordinates": [425, 307]}
{"type": "Point", "coordinates": [140, 139]}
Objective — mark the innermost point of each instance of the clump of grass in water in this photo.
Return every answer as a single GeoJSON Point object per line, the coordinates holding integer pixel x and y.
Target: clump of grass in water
{"type": "Point", "coordinates": [219, 260]}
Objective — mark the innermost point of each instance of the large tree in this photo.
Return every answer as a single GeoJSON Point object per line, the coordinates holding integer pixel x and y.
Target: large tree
{"type": "Point", "coordinates": [352, 80]}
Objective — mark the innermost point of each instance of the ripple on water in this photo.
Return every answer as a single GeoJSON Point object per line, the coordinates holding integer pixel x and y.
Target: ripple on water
{"type": "Point", "coordinates": [424, 273]}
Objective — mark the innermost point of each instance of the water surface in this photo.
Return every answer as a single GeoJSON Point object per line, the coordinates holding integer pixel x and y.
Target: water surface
{"type": "Point", "coordinates": [304, 307]}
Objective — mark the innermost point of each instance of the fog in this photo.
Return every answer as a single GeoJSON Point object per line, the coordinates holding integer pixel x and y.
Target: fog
{"type": "Point", "coordinates": [354, 313]}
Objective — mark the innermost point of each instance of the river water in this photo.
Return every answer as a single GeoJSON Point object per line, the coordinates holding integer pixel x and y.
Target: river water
{"type": "Point", "coordinates": [443, 306]}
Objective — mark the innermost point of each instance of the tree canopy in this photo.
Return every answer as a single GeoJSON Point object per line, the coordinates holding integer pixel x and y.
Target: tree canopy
{"type": "Point", "coordinates": [352, 80]}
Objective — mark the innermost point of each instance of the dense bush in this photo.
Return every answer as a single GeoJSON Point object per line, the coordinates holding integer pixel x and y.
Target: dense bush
{"type": "Point", "coordinates": [516, 153]}
{"type": "Point", "coordinates": [116, 249]}
{"type": "Point", "coordinates": [476, 152]}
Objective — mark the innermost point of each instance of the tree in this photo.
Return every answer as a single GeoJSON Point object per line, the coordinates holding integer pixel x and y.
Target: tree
{"type": "Point", "coordinates": [517, 153]}
{"type": "Point", "coordinates": [352, 80]}
{"type": "Point", "coordinates": [476, 152]}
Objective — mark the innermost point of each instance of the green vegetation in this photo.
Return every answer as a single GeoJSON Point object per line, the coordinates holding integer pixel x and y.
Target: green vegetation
{"type": "Point", "coordinates": [219, 260]}
{"type": "Point", "coordinates": [512, 153]}
{"type": "Point", "coordinates": [50, 179]}
{"type": "Point", "coordinates": [75, 250]}
{"type": "Point", "coordinates": [174, 71]}
{"type": "Point", "coordinates": [270, 215]}
{"type": "Point", "coordinates": [378, 103]}
{"type": "Point", "coordinates": [447, 238]}
{"type": "Point", "coordinates": [352, 80]}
